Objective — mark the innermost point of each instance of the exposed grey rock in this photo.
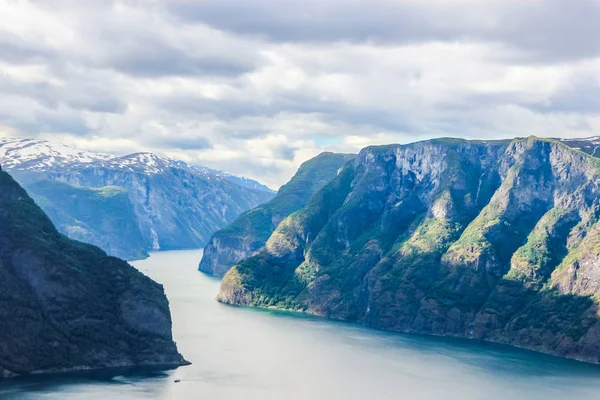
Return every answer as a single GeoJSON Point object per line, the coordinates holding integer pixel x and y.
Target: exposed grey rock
{"type": "Point", "coordinates": [497, 241]}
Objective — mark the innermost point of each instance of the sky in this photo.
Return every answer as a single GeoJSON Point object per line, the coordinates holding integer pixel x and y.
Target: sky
{"type": "Point", "coordinates": [257, 87]}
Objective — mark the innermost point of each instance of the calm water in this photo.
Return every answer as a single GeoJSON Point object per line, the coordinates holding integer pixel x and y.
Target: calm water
{"type": "Point", "coordinates": [251, 354]}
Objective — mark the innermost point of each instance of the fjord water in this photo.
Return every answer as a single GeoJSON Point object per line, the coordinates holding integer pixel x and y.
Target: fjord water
{"type": "Point", "coordinates": [240, 353]}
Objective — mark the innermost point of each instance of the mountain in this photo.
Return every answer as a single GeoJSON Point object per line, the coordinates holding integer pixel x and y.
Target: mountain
{"type": "Point", "coordinates": [101, 216]}
{"type": "Point", "coordinates": [41, 155]}
{"type": "Point", "coordinates": [497, 241]}
{"type": "Point", "coordinates": [589, 145]}
{"type": "Point", "coordinates": [66, 305]}
{"type": "Point", "coordinates": [176, 206]}
{"type": "Point", "coordinates": [238, 180]}
{"type": "Point", "coordinates": [250, 231]}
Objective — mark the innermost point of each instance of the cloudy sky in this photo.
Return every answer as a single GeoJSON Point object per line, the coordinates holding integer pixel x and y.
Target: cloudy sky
{"type": "Point", "coordinates": [256, 87]}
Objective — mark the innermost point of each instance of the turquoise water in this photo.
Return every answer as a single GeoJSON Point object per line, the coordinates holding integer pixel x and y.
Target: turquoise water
{"type": "Point", "coordinates": [250, 354]}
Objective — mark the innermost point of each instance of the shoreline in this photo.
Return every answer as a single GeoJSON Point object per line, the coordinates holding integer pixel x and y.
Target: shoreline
{"type": "Point", "coordinates": [6, 375]}
{"type": "Point", "coordinates": [418, 333]}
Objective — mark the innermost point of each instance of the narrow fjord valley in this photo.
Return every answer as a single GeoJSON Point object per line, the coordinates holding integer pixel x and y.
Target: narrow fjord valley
{"type": "Point", "coordinates": [66, 305]}
{"type": "Point", "coordinates": [322, 199]}
{"type": "Point", "coordinates": [489, 240]}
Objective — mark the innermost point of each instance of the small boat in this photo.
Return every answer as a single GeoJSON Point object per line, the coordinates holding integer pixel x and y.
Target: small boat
{"type": "Point", "coordinates": [177, 380]}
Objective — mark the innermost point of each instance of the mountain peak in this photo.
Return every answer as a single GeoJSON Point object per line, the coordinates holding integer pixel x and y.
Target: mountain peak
{"type": "Point", "coordinates": [42, 155]}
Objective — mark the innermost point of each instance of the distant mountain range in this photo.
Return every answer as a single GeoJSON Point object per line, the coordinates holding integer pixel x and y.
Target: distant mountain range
{"type": "Point", "coordinates": [103, 216]}
{"type": "Point", "coordinates": [169, 204]}
{"type": "Point", "coordinates": [238, 180]}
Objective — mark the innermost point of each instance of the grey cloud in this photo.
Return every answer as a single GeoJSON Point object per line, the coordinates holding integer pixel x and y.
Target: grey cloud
{"type": "Point", "coordinates": [139, 47]}
{"type": "Point", "coordinates": [544, 30]}
{"type": "Point", "coordinates": [43, 121]}
{"type": "Point", "coordinates": [226, 109]}
{"type": "Point", "coordinates": [581, 95]}
{"type": "Point", "coordinates": [98, 104]}
{"type": "Point", "coordinates": [551, 30]}
{"type": "Point", "coordinates": [77, 95]}
{"type": "Point", "coordinates": [145, 55]}
{"type": "Point", "coordinates": [15, 50]}
{"type": "Point", "coordinates": [285, 152]}
{"type": "Point", "coordinates": [183, 143]}
{"type": "Point", "coordinates": [52, 122]}
{"type": "Point", "coordinates": [314, 20]}
{"type": "Point", "coordinates": [230, 110]}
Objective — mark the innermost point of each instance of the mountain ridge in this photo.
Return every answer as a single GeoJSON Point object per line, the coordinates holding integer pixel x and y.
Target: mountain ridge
{"type": "Point", "coordinates": [43, 155]}
{"type": "Point", "coordinates": [492, 241]}
{"type": "Point", "coordinates": [250, 231]}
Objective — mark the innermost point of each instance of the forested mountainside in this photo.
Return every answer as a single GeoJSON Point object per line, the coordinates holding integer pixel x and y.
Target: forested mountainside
{"type": "Point", "coordinates": [250, 231]}
{"type": "Point", "coordinates": [66, 305]}
{"type": "Point", "coordinates": [493, 240]}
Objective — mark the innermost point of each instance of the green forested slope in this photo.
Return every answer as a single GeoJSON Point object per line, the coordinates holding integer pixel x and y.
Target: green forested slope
{"type": "Point", "coordinates": [497, 241]}
{"type": "Point", "coordinates": [250, 231]}
{"type": "Point", "coordinates": [66, 305]}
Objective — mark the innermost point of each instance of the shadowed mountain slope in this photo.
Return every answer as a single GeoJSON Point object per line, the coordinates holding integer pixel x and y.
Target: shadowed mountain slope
{"type": "Point", "coordinates": [66, 305]}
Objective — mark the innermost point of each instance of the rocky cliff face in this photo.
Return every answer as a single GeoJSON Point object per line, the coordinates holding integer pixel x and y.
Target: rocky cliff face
{"type": "Point", "coordinates": [101, 216]}
{"type": "Point", "coordinates": [176, 208]}
{"type": "Point", "coordinates": [66, 305]}
{"type": "Point", "coordinates": [250, 231]}
{"type": "Point", "coordinates": [488, 240]}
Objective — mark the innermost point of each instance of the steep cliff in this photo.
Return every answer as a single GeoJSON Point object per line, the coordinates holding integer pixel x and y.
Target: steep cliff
{"type": "Point", "coordinates": [66, 305]}
{"type": "Point", "coordinates": [497, 241]}
{"type": "Point", "coordinates": [250, 231]}
{"type": "Point", "coordinates": [176, 208]}
{"type": "Point", "coordinates": [101, 216]}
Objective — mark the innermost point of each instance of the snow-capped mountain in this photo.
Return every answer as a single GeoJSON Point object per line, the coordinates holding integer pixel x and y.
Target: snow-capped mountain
{"type": "Point", "coordinates": [42, 155]}
{"type": "Point", "coordinates": [176, 206]}
{"type": "Point", "coordinates": [238, 180]}
{"type": "Point", "coordinates": [147, 163]}
{"type": "Point", "coordinates": [37, 155]}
